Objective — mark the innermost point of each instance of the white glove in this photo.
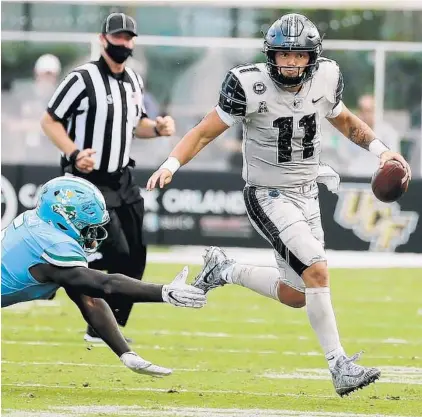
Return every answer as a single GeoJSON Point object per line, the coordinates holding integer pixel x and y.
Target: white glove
{"type": "Point", "coordinates": [135, 363]}
{"type": "Point", "coordinates": [181, 294]}
{"type": "Point", "coordinates": [329, 177]}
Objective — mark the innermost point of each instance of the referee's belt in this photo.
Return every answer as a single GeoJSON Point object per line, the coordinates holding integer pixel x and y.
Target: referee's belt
{"type": "Point", "coordinates": [101, 177]}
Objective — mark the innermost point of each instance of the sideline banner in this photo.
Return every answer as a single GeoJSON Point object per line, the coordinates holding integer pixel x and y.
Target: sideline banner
{"type": "Point", "coordinates": [206, 208]}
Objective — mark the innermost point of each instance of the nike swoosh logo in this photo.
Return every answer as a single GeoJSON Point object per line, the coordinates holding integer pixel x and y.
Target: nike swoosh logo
{"type": "Point", "coordinates": [356, 375]}
{"type": "Point", "coordinates": [209, 273]}
{"type": "Point", "coordinates": [170, 295]}
{"type": "Point", "coordinates": [316, 101]}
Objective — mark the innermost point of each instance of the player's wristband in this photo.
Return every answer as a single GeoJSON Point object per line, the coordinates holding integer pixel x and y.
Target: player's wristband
{"type": "Point", "coordinates": [172, 164]}
{"type": "Point", "coordinates": [377, 147]}
{"type": "Point", "coordinates": [73, 156]}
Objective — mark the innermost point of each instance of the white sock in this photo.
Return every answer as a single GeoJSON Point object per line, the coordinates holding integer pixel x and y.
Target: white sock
{"type": "Point", "coordinates": [323, 321]}
{"type": "Point", "coordinates": [261, 279]}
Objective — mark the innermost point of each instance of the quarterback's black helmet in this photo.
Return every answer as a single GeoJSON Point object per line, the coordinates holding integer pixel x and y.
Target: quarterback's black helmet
{"type": "Point", "coordinates": [292, 32]}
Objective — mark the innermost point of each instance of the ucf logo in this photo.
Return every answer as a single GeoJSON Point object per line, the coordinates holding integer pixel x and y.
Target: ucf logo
{"type": "Point", "coordinates": [381, 224]}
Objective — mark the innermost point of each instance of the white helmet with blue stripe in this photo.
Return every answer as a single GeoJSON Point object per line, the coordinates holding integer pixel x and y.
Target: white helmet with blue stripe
{"type": "Point", "coordinates": [77, 208]}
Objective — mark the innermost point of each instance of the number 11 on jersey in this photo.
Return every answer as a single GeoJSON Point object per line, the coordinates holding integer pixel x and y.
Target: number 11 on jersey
{"type": "Point", "coordinates": [285, 126]}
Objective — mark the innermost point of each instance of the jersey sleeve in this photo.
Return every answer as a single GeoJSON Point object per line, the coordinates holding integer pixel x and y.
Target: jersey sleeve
{"type": "Point", "coordinates": [65, 254]}
{"type": "Point", "coordinates": [66, 96]}
{"type": "Point", "coordinates": [338, 105]}
{"type": "Point", "coordinates": [232, 103]}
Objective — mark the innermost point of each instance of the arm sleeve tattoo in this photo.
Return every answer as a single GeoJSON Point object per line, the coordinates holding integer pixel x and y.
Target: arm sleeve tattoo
{"type": "Point", "coordinates": [360, 133]}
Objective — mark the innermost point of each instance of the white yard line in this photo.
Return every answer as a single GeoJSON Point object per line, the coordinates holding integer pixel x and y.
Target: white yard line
{"type": "Point", "coordinates": [166, 390]}
{"type": "Point", "coordinates": [158, 347]}
{"type": "Point", "coordinates": [336, 259]}
{"type": "Point", "coordinates": [208, 319]}
{"type": "Point", "coordinates": [390, 374]}
{"type": "Point", "coordinates": [192, 349]}
{"type": "Point", "coordinates": [82, 411]}
{"type": "Point", "coordinates": [224, 335]}
{"type": "Point", "coordinates": [211, 335]}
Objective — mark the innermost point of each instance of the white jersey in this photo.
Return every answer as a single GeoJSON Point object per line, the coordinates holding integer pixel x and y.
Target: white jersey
{"type": "Point", "coordinates": [281, 130]}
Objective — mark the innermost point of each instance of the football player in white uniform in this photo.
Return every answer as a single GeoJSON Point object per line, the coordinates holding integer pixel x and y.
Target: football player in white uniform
{"type": "Point", "coordinates": [281, 104]}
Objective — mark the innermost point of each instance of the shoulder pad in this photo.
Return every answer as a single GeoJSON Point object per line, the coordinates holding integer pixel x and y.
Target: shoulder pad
{"type": "Point", "coordinates": [328, 71]}
{"type": "Point", "coordinates": [67, 253]}
{"type": "Point", "coordinates": [232, 95]}
{"type": "Point", "coordinates": [245, 68]}
{"type": "Point", "coordinates": [249, 69]}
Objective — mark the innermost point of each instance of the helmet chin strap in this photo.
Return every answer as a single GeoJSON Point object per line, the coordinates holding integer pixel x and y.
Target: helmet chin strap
{"type": "Point", "coordinates": [293, 80]}
{"type": "Point", "coordinates": [284, 81]}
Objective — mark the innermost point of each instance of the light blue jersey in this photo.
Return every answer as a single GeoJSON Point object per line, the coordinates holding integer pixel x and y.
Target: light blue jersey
{"type": "Point", "coordinates": [29, 241]}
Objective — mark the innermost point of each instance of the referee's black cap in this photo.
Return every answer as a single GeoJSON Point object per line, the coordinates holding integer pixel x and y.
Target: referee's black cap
{"type": "Point", "coordinates": [117, 23]}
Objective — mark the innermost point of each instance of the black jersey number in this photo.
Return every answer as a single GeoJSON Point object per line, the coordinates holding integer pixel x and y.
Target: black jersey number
{"type": "Point", "coordinates": [285, 135]}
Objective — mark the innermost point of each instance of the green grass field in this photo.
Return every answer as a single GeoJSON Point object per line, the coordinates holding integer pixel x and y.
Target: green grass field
{"type": "Point", "coordinates": [241, 355]}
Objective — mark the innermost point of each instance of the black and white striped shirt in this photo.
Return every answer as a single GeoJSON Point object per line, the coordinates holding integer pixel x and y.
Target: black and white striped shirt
{"type": "Point", "coordinates": [100, 110]}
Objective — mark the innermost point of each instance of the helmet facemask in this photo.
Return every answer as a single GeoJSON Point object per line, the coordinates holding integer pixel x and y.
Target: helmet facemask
{"type": "Point", "coordinates": [281, 80]}
{"type": "Point", "coordinates": [91, 237]}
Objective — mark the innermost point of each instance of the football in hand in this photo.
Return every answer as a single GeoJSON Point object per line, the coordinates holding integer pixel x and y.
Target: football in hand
{"type": "Point", "coordinates": [388, 183]}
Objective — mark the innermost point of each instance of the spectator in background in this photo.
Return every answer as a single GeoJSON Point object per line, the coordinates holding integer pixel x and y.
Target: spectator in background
{"type": "Point", "coordinates": [22, 110]}
{"type": "Point", "coordinates": [152, 106]}
{"type": "Point", "coordinates": [47, 70]}
{"type": "Point", "coordinates": [366, 112]}
{"type": "Point", "coordinates": [349, 159]}
{"type": "Point", "coordinates": [364, 163]}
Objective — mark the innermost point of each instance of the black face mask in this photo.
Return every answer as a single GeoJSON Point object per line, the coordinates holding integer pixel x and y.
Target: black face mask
{"type": "Point", "coordinates": [118, 53]}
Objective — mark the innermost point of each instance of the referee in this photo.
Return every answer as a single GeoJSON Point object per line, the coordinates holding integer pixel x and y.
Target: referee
{"type": "Point", "coordinates": [92, 118]}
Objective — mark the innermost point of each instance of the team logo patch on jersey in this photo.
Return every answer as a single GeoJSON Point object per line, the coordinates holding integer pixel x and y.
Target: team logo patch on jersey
{"type": "Point", "coordinates": [298, 103]}
{"type": "Point", "coordinates": [262, 107]}
{"type": "Point", "coordinates": [383, 225]}
{"type": "Point", "coordinates": [259, 88]}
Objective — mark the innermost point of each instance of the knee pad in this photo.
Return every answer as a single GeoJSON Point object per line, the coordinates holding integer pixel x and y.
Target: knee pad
{"type": "Point", "coordinates": [300, 241]}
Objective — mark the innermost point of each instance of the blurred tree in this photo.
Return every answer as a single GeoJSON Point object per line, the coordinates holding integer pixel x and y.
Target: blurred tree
{"type": "Point", "coordinates": [403, 77]}
{"type": "Point", "coordinates": [356, 24]}
{"type": "Point", "coordinates": [403, 71]}
{"type": "Point", "coordinates": [160, 59]}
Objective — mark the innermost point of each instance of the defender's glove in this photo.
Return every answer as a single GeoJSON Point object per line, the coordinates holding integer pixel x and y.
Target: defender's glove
{"type": "Point", "coordinates": [181, 294]}
{"type": "Point", "coordinates": [329, 177]}
{"type": "Point", "coordinates": [135, 363]}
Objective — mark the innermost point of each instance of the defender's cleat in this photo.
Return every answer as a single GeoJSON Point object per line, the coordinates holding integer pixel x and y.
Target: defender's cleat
{"type": "Point", "coordinates": [139, 365]}
{"type": "Point", "coordinates": [153, 370]}
{"type": "Point", "coordinates": [348, 376]}
{"type": "Point", "coordinates": [215, 262]}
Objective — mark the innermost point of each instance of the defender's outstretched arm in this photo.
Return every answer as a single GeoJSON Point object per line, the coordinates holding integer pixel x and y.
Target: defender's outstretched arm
{"type": "Point", "coordinates": [97, 284]}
